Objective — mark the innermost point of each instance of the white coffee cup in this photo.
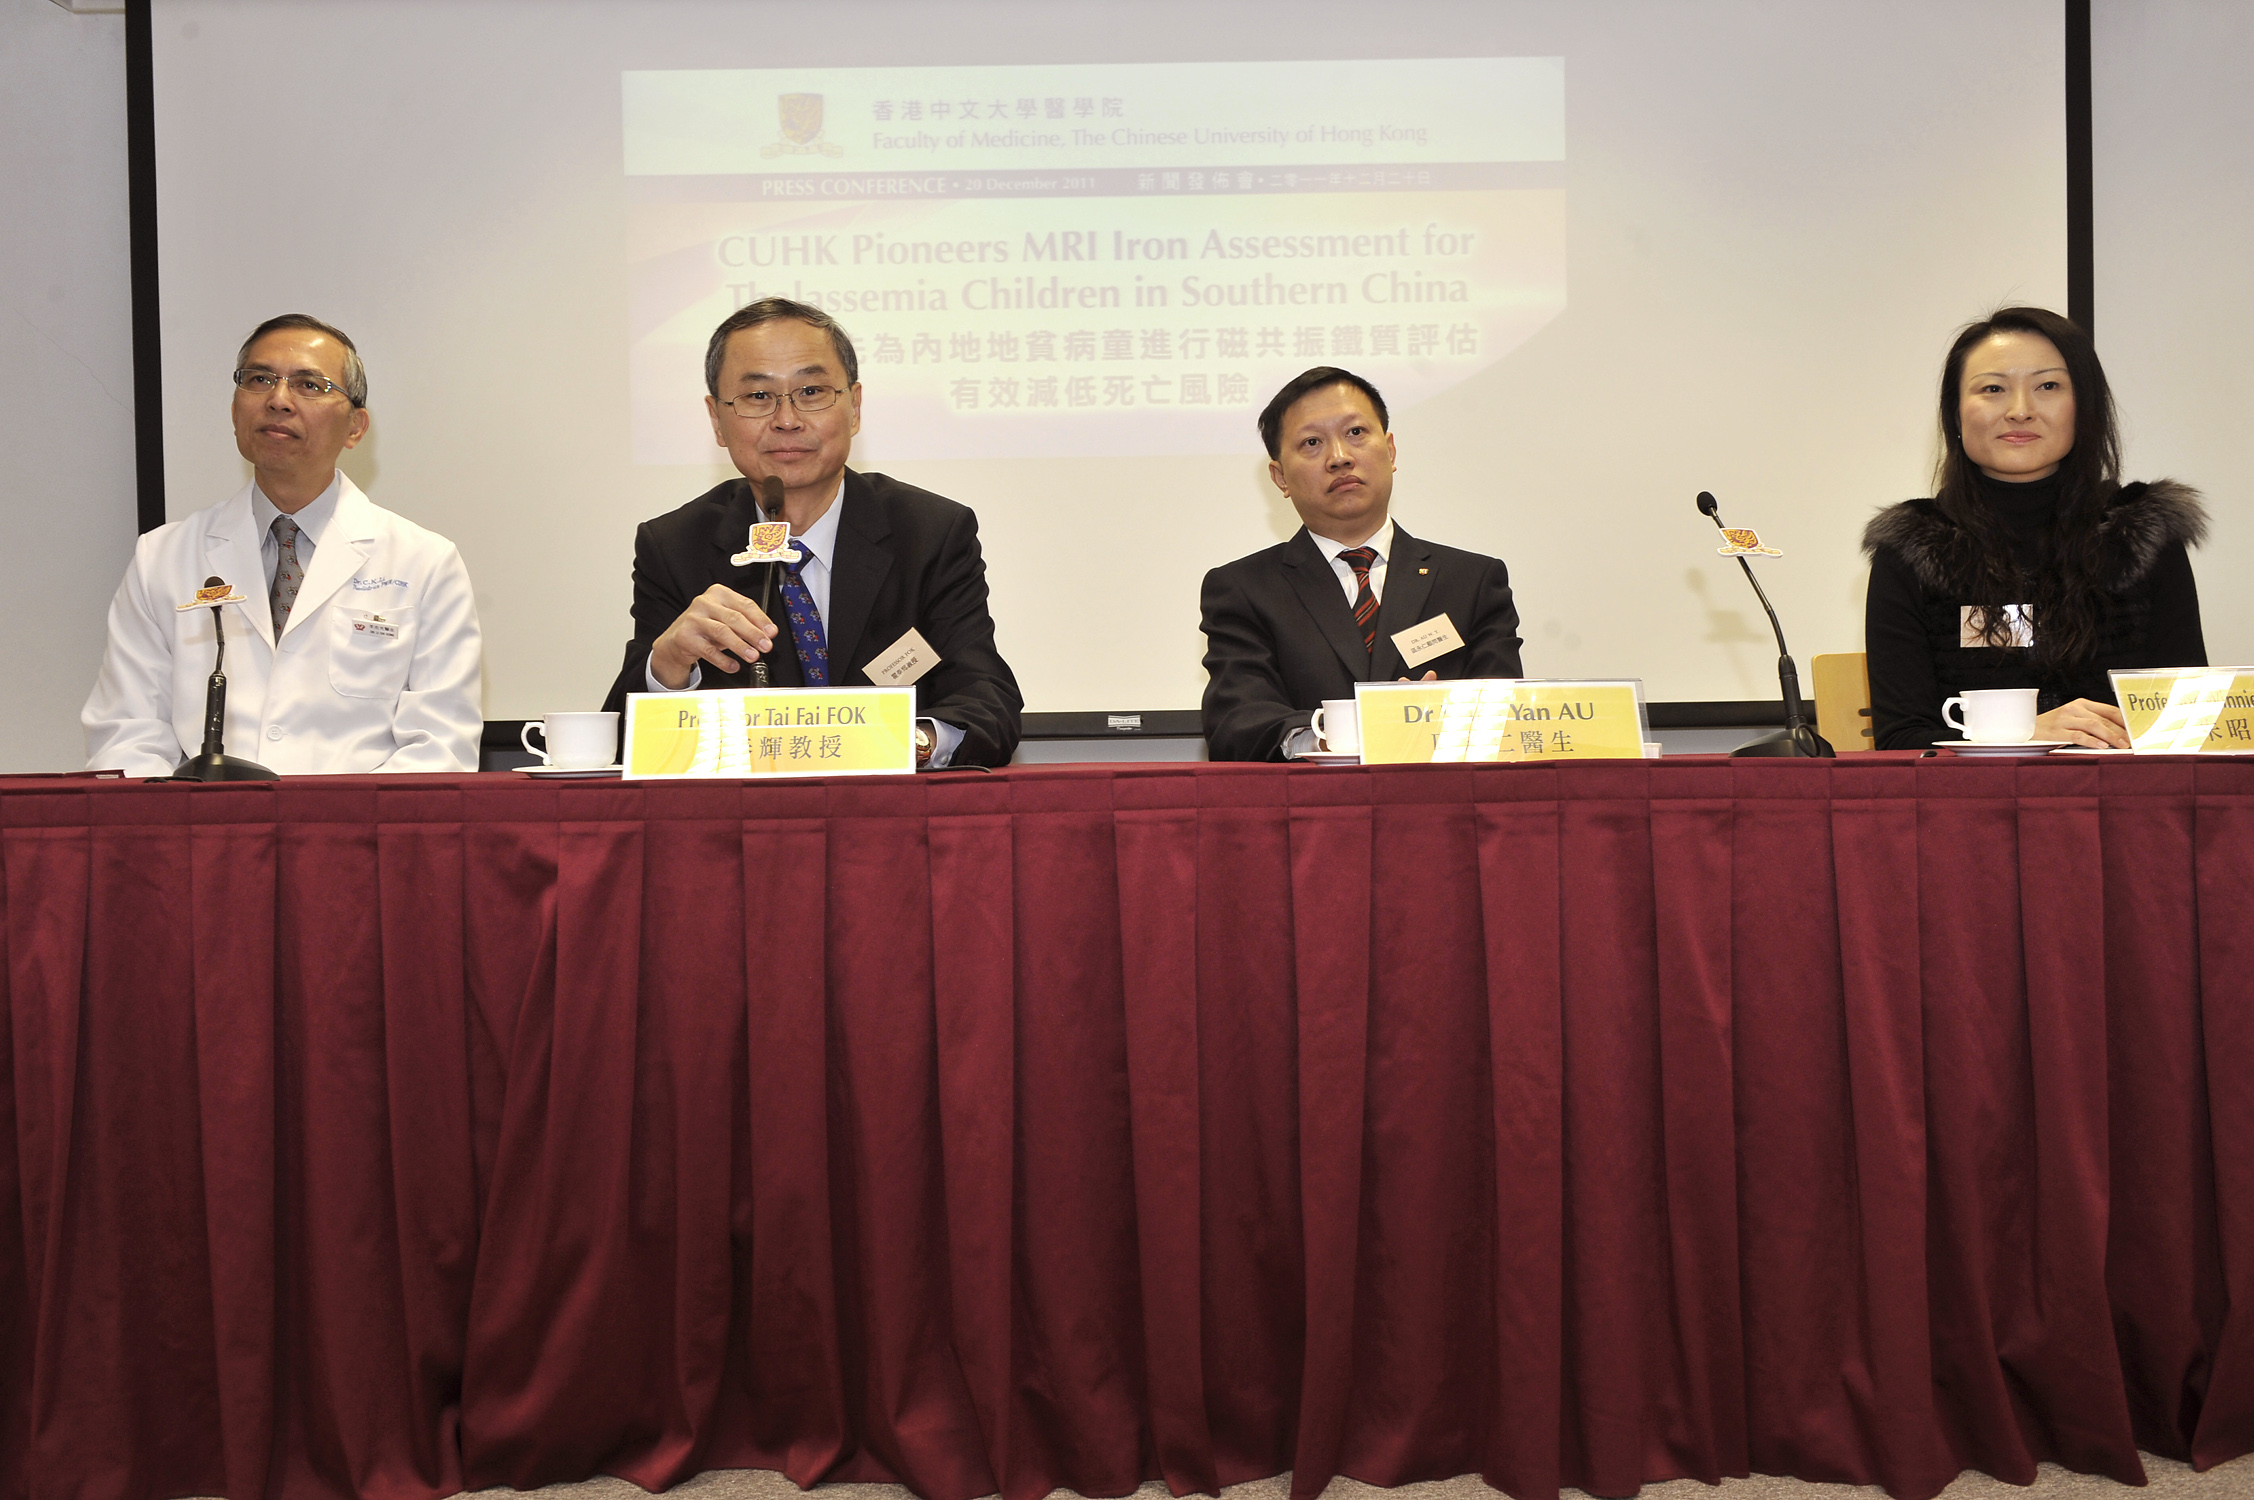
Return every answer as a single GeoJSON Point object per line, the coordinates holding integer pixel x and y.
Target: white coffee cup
{"type": "Point", "coordinates": [575, 742]}
{"type": "Point", "coordinates": [1338, 727]}
{"type": "Point", "coordinates": [1994, 716]}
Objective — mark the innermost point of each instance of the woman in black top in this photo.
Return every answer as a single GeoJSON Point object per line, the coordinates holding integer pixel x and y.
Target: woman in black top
{"type": "Point", "coordinates": [2032, 565]}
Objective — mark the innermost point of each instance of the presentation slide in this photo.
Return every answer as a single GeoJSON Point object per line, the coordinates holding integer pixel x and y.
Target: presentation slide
{"type": "Point", "coordinates": [1598, 254]}
{"type": "Point", "coordinates": [1097, 260]}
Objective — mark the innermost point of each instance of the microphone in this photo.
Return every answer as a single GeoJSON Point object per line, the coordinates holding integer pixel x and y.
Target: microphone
{"type": "Point", "coordinates": [770, 492]}
{"type": "Point", "coordinates": [1798, 737]}
{"type": "Point", "coordinates": [214, 763]}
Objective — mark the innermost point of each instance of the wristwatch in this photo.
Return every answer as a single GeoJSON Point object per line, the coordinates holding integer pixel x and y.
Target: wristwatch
{"type": "Point", "coordinates": [926, 742]}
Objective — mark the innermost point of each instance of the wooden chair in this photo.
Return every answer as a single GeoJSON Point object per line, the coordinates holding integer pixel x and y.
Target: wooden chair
{"type": "Point", "coordinates": [1843, 699]}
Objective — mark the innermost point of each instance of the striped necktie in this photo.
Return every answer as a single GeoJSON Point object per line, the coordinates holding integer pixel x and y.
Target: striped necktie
{"type": "Point", "coordinates": [1361, 560]}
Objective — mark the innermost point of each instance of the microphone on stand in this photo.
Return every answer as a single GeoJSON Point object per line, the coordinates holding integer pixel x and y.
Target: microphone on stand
{"type": "Point", "coordinates": [1798, 737]}
{"type": "Point", "coordinates": [213, 763]}
{"type": "Point", "coordinates": [770, 501]}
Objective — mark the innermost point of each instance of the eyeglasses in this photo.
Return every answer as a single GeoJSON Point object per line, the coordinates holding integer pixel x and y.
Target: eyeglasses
{"type": "Point", "coordinates": [262, 383]}
{"type": "Point", "coordinates": [758, 406]}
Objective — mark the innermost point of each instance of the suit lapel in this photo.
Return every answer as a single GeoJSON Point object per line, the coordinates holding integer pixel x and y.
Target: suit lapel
{"type": "Point", "coordinates": [860, 564]}
{"type": "Point", "coordinates": [1317, 585]}
{"type": "Point", "coordinates": [337, 556]}
{"type": "Point", "coordinates": [731, 534]}
{"type": "Point", "coordinates": [1406, 590]}
{"type": "Point", "coordinates": [231, 552]}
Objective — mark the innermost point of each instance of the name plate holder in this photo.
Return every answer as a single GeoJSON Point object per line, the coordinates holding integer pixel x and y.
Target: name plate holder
{"type": "Point", "coordinates": [771, 732]}
{"type": "Point", "coordinates": [2187, 710]}
{"type": "Point", "coordinates": [1484, 720]}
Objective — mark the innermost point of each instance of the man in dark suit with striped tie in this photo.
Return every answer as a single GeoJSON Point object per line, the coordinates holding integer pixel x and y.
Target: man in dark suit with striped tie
{"type": "Point", "coordinates": [1298, 623]}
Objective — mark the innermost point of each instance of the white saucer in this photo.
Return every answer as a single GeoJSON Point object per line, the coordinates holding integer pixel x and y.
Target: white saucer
{"type": "Point", "coordinates": [571, 773]}
{"type": "Point", "coordinates": [1328, 758]}
{"type": "Point", "coordinates": [2012, 747]}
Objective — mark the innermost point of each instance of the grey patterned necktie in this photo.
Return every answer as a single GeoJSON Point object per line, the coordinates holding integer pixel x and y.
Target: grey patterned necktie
{"type": "Point", "coordinates": [288, 572]}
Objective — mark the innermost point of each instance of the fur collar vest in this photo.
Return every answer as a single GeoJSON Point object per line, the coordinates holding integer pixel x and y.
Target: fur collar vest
{"type": "Point", "coordinates": [2140, 521]}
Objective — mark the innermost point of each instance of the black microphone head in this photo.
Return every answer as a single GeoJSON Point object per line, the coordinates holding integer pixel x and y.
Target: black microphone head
{"type": "Point", "coordinates": [771, 496]}
{"type": "Point", "coordinates": [1707, 504]}
{"type": "Point", "coordinates": [214, 582]}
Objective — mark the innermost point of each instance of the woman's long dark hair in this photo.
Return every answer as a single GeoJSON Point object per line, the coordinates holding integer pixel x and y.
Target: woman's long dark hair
{"type": "Point", "coordinates": [2065, 593]}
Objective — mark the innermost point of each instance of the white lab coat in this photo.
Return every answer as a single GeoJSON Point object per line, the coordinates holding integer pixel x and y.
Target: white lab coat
{"type": "Point", "coordinates": [378, 667]}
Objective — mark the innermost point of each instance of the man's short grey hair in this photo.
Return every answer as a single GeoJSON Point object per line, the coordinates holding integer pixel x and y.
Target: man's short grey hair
{"type": "Point", "coordinates": [769, 310]}
{"type": "Point", "coordinates": [355, 373]}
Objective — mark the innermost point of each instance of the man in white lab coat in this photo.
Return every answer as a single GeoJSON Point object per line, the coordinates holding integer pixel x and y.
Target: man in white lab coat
{"type": "Point", "coordinates": [356, 646]}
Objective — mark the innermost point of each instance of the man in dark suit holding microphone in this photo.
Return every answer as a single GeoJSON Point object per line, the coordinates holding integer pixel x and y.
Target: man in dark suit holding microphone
{"type": "Point", "coordinates": [1295, 624]}
{"type": "Point", "coordinates": [885, 574]}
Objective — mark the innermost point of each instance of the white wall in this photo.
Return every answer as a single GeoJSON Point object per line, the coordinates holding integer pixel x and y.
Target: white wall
{"type": "Point", "coordinates": [2173, 123]}
{"type": "Point", "coordinates": [66, 368]}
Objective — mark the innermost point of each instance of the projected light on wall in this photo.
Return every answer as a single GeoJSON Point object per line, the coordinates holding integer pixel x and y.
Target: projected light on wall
{"type": "Point", "coordinates": [1095, 259]}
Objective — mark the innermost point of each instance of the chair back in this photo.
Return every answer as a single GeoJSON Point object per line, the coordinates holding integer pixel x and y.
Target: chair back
{"type": "Point", "coordinates": [1843, 699]}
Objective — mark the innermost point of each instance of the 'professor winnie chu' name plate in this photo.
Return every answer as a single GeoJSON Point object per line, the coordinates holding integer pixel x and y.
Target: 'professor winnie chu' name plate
{"type": "Point", "coordinates": [2188, 710]}
{"type": "Point", "coordinates": [1414, 723]}
{"type": "Point", "coordinates": [771, 732]}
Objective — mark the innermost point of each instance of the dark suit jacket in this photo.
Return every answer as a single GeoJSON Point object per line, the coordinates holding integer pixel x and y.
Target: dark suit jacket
{"type": "Point", "coordinates": [905, 559]}
{"type": "Point", "coordinates": [1280, 636]}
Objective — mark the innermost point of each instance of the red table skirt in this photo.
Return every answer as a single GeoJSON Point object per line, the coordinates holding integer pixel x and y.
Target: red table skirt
{"type": "Point", "coordinates": [1582, 1125]}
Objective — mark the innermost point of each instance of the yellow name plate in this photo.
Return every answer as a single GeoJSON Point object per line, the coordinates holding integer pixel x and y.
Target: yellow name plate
{"type": "Point", "coordinates": [2188, 709]}
{"type": "Point", "coordinates": [1417, 723]}
{"type": "Point", "coordinates": [771, 732]}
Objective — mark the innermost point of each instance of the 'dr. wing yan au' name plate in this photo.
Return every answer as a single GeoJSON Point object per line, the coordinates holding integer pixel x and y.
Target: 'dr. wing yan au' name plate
{"type": "Point", "coordinates": [758, 732]}
{"type": "Point", "coordinates": [1500, 719]}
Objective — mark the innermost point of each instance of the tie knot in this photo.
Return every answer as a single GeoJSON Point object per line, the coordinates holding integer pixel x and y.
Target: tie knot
{"type": "Point", "coordinates": [1360, 559]}
{"type": "Point", "coordinates": [285, 530]}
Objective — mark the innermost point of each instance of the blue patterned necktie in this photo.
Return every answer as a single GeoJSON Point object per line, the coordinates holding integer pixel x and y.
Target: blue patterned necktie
{"type": "Point", "coordinates": [805, 623]}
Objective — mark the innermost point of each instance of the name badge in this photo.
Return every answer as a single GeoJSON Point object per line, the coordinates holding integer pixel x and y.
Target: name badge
{"type": "Point", "coordinates": [1421, 643]}
{"type": "Point", "coordinates": [771, 732]}
{"type": "Point", "coordinates": [2019, 622]}
{"type": "Point", "coordinates": [905, 660]}
{"type": "Point", "coordinates": [376, 629]}
{"type": "Point", "coordinates": [2188, 709]}
{"type": "Point", "coordinates": [1498, 719]}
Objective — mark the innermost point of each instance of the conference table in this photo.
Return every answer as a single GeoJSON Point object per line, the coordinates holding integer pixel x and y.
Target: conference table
{"type": "Point", "coordinates": [1579, 1124]}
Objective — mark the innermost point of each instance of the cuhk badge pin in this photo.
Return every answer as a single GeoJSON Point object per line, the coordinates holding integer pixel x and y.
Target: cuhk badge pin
{"type": "Point", "coordinates": [211, 595]}
{"type": "Point", "coordinates": [769, 542]}
{"type": "Point", "coordinates": [1743, 542]}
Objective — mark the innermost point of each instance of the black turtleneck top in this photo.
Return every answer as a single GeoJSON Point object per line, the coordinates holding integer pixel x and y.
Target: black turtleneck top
{"type": "Point", "coordinates": [1911, 635]}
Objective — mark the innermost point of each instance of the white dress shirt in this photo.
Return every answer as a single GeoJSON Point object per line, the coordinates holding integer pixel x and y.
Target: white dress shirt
{"type": "Point", "coordinates": [1380, 542]}
{"type": "Point", "coordinates": [312, 522]}
{"type": "Point", "coordinates": [1301, 741]}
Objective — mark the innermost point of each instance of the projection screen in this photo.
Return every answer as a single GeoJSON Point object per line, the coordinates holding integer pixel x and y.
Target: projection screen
{"type": "Point", "coordinates": [1600, 255]}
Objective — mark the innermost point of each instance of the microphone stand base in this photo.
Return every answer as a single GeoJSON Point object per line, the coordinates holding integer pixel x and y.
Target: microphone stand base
{"type": "Point", "coordinates": [1780, 742]}
{"type": "Point", "coordinates": [216, 767]}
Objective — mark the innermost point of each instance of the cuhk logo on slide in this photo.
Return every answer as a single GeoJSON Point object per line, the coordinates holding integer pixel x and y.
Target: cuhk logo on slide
{"type": "Point", "coordinates": [802, 128]}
